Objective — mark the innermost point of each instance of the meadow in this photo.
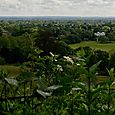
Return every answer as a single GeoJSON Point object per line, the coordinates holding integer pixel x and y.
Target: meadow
{"type": "Point", "coordinates": [12, 70]}
{"type": "Point", "coordinates": [109, 47]}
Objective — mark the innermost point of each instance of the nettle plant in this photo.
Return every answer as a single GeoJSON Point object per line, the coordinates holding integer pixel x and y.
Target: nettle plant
{"type": "Point", "coordinates": [81, 91]}
{"type": "Point", "coordinates": [96, 97]}
{"type": "Point", "coordinates": [87, 95]}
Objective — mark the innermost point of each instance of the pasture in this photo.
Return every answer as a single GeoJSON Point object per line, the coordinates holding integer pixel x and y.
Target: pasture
{"type": "Point", "coordinates": [11, 70]}
{"type": "Point", "coordinates": [109, 47]}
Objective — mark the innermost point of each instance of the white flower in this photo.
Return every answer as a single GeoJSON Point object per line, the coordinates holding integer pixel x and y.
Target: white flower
{"type": "Point", "coordinates": [103, 33]}
{"type": "Point", "coordinates": [96, 73]}
{"type": "Point", "coordinates": [78, 64]}
{"type": "Point", "coordinates": [59, 67]}
{"type": "Point", "coordinates": [51, 54]}
{"type": "Point", "coordinates": [99, 34]}
{"type": "Point", "coordinates": [68, 59]}
{"type": "Point", "coordinates": [113, 83]}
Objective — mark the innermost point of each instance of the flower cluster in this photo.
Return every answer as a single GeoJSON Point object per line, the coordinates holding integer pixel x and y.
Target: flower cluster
{"type": "Point", "coordinates": [99, 34]}
{"type": "Point", "coordinates": [51, 54]}
{"type": "Point", "coordinates": [68, 59]}
{"type": "Point", "coordinates": [59, 67]}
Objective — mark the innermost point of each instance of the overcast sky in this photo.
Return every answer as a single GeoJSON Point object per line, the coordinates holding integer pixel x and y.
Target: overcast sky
{"type": "Point", "coordinates": [58, 7]}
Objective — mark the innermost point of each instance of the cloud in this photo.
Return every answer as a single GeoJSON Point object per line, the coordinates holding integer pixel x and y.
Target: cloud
{"type": "Point", "coordinates": [57, 7]}
{"type": "Point", "coordinates": [100, 2]}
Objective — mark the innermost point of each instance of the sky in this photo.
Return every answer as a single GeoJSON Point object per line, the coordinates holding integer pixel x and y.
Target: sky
{"type": "Point", "coordinates": [57, 8]}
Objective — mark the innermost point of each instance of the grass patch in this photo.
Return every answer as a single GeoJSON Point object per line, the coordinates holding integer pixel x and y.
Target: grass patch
{"type": "Point", "coordinates": [101, 78]}
{"type": "Point", "coordinates": [109, 47]}
{"type": "Point", "coordinates": [11, 70]}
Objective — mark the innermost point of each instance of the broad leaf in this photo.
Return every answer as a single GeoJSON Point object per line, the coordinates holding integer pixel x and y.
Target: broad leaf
{"type": "Point", "coordinates": [43, 94]}
{"type": "Point", "coordinates": [54, 87]}
{"type": "Point", "coordinates": [76, 89]}
{"type": "Point", "coordinates": [93, 69]}
{"type": "Point", "coordinates": [111, 72]}
{"type": "Point", "coordinates": [12, 81]}
{"type": "Point", "coordinates": [42, 85]}
{"type": "Point", "coordinates": [26, 76]}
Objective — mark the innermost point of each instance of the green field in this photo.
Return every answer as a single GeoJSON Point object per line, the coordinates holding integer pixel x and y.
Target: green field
{"type": "Point", "coordinates": [109, 47]}
{"type": "Point", "coordinates": [11, 70]}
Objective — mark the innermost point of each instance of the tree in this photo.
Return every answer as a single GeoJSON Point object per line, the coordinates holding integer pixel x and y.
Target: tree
{"type": "Point", "coordinates": [101, 37]}
{"type": "Point", "coordinates": [72, 38]}
{"type": "Point", "coordinates": [48, 43]}
{"type": "Point", "coordinates": [112, 61]}
{"type": "Point", "coordinates": [45, 40]}
{"type": "Point", "coordinates": [104, 57]}
{"type": "Point", "coordinates": [106, 29]}
{"type": "Point", "coordinates": [0, 31]}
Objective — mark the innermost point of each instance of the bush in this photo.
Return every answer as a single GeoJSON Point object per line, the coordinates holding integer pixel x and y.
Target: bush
{"type": "Point", "coordinates": [2, 61]}
{"type": "Point", "coordinates": [112, 60]}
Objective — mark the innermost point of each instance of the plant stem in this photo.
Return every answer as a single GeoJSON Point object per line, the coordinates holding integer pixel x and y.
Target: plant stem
{"type": "Point", "coordinates": [24, 95]}
{"type": "Point", "coordinates": [109, 92]}
{"type": "Point", "coordinates": [89, 96]}
{"type": "Point", "coordinates": [5, 96]}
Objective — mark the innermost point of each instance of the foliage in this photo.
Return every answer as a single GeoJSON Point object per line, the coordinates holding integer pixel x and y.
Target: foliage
{"type": "Point", "coordinates": [2, 61]}
{"type": "Point", "coordinates": [55, 79]}
{"type": "Point", "coordinates": [112, 61]}
{"type": "Point", "coordinates": [59, 85]}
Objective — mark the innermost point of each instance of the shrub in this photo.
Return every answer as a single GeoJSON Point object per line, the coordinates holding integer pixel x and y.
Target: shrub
{"type": "Point", "coordinates": [2, 61]}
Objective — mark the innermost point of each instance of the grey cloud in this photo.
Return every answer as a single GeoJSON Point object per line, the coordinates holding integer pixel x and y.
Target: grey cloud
{"type": "Point", "coordinates": [57, 7]}
{"type": "Point", "coordinates": [6, 5]}
{"type": "Point", "coordinates": [100, 2]}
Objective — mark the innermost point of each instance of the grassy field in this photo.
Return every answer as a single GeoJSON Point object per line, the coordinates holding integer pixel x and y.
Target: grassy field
{"type": "Point", "coordinates": [11, 70]}
{"type": "Point", "coordinates": [109, 47]}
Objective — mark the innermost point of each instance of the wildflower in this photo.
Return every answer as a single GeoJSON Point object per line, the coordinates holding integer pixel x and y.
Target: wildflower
{"type": "Point", "coordinates": [59, 67]}
{"type": "Point", "coordinates": [51, 54]}
{"type": "Point", "coordinates": [78, 64]}
{"type": "Point", "coordinates": [96, 73]}
{"type": "Point", "coordinates": [55, 60]}
{"type": "Point", "coordinates": [68, 59]}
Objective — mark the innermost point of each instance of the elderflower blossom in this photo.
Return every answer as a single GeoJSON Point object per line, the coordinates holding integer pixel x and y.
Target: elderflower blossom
{"type": "Point", "coordinates": [51, 54]}
{"type": "Point", "coordinates": [59, 67]}
{"type": "Point", "coordinates": [68, 59]}
{"type": "Point", "coordinates": [55, 60]}
{"type": "Point", "coordinates": [78, 64]}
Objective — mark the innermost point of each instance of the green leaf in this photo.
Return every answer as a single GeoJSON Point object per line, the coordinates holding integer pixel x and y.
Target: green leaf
{"type": "Point", "coordinates": [93, 68]}
{"type": "Point", "coordinates": [43, 94]}
{"type": "Point", "coordinates": [111, 72]}
{"type": "Point", "coordinates": [3, 74]}
{"type": "Point", "coordinates": [54, 87]}
{"type": "Point", "coordinates": [41, 84]}
{"type": "Point", "coordinates": [76, 89]}
{"type": "Point", "coordinates": [79, 59]}
{"type": "Point", "coordinates": [81, 52]}
{"type": "Point", "coordinates": [12, 81]}
{"type": "Point", "coordinates": [82, 86]}
{"type": "Point", "coordinates": [26, 76]}
{"type": "Point", "coordinates": [88, 58]}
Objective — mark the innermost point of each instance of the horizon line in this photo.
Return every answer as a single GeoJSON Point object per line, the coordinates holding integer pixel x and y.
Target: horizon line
{"type": "Point", "coordinates": [51, 16]}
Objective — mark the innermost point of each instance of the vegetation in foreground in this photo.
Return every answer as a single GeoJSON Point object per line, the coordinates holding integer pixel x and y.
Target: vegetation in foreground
{"type": "Point", "coordinates": [52, 78]}
{"type": "Point", "coordinates": [54, 85]}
